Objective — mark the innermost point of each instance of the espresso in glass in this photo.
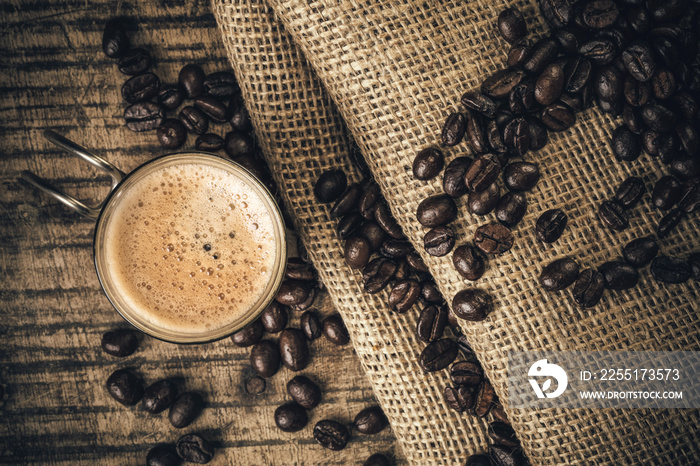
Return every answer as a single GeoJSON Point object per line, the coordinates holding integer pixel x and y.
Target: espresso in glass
{"type": "Point", "coordinates": [190, 248]}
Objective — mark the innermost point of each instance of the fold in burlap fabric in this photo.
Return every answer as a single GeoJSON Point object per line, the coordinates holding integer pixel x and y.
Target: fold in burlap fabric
{"type": "Point", "coordinates": [395, 70]}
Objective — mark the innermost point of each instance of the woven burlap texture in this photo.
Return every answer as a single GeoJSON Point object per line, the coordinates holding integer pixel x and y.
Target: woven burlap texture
{"type": "Point", "coordinates": [302, 135]}
{"type": "Point", "coordinates": [395, 70]}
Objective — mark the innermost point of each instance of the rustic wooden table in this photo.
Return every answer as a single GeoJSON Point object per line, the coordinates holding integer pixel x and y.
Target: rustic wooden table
{"type": "Point", "coordinates": [54, 408]}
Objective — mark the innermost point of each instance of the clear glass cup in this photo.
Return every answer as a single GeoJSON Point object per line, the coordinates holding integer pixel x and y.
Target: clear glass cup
{"type": "Point", "coordinates": [121, 184]}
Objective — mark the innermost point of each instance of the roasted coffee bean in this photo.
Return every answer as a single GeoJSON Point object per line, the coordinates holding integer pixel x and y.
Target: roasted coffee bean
{"type": "Point", "coordinates": [454, 129]}
{"type": "Point", "coordinates": [658, 117]}
{"type": "Point", "coordinates": [600, 51]}
{"type": "Point", "coordinates": [159, 396]}
{"type": "Point", "coordinates": [493, 238]}
{"type": "Point", "coordinates": [357, 252]}
{"type": "Point", "coordinates": [632, 119]}
{"type": "Point", "coordinates": [330, 185]}
{"type": "Point", "coordinates": [249, 335]}
{"type": "Point", "coordinates": [404, 295]}
{"type": "Point", "coordinates": [543, 53]}
{"type": "Point", "coordinates": [430, 292]}
{"type": "Point", "coordinates": [480, 103]}
{"type": "Point", "coordinates": [521, 99]}
{"type": "Point", "coordinates": [331, 434]}
{"type": "Point", "coordinates": [194, 120]}
{"type": "Point", "coordinates": [688, 137]}
{"type": "Point", "coordinates": [436, 210]}
{"type": "Point", "coordinates": [639, 19]}
{"type": "Point", "coordinates": [438, 355]}
{"type": "Point", "coordinates": [294, 349]}
{"type": "Point", "coordinates": [120, 343]}
{"type": "Point", "coordinates": [467, 373]}
{"type": "Point", "coordinates": [370, 420]}
{"type": "Point", "coordinates": [550, 226]}
{"type": "Point", "coordinates": [641, 251]}
{"type": "Point", "coordinates": [386, 221]}
{"type": "Point", "coordinates": [575, 101]}
{"type": "Point", "coordinates": [690, 201]}
{"type": "Point", "coordinates": [694, 261]}
{"type": "Point", "coordinates": [558, 13]}
{"type": "Point", "coordinates": [311, 325]}
{"type": "Point", "coordinates": [485, 399]}
{"type": "Point", "coordinates": [663, 146]}
{"type": "Point", "coordinates": [471, 304]}
{"type": "Point", "coordinates": [503, 434]}
{"type": "Point", "coordinates": [588, 288]}
{"type": "Point", "coordinates": [613, 216]}
{"type": "Point", "coordinates": [476, 139]}
{"type": "Point", "coordinates": [221, 84]}
{"type": "Point", "coordinates": [428, 163]}
{"type": "Point", "coordinates": [666, 51]}
{"type": "Point", "coordinates": [377, 460]}
{"type": "Point", "coordinates": [298, 269]}
{"type": "Point", "coordinates": [501, 455]}
{"type": "Point", "coordinates": [558, 117]}
{"type": "Point", "coordinates": [518, 54]}
{"type": "Point", "coordinates": [115, 42]}
{"type": "Point", "coordinates": [453, 180]}
{"type": "Point", "coordinates": [162, 455]}
{"type": "Point", "coordinates": [569, 39]}
{"type": "Point", "coordinates": [636, 93]}
{"type": "Point", "coordinates": [479, 176]}
{"type": "Point", "coordinates": [185, 409]}
{"type": "Point", "coordinates": [439, 241]}
{"type": "Point", "coordinates": [458, 398]}
{"type": "Point", "coordinates": [239, 119]}
{"type": "Point", "coordinates": [308, 302]}
{"type": "Point", "coordinates": [618, 275]}
{"type": "Point", "coordinates": [431, 323]}
{"type": "Point", "coordinates": [667, 269]}
{"type": "Point", "coordinates": [521, 176]}
{"type": "Point", "coordinates": [468, 262]}
{"type": "Point", "coordinates": [293, 292]}
{"type": "Point", "coordinates": [191, 78]}
{"type": "Point", "coordinates": [516, 136]}
{"type": "Point", "coordinates": [171, 96]}
{"type": "Point", "coordinates": [265, 358]}
{"type": "Point", "coordinates": [369, 199]}
{"type": "Point", "coordinates": [630, 192]}
{"type": "Point", "coordinates": [416, 263]}
{"type": "Point", "coordinates": [600, 14]}
{"type": "Point", "coordinates": [143, 116]}
{"type": "Point", "coordinates": [125, 387]}
{"type": "Point", "coordinates": [304, 392]}
{"type": "Point", "coordinates": [511, 208]}
{"type": "Point", "coordinates": [194, 449]}
{"type": "Point", "coordinates": [140, 88]}
{"type": "Point", "coordinates": [499, 84]}
{"type": "Point", "coordinates": [495, 138]}
{"type": "Point", "coordinates": [685, 166]}
{"type": "Point", "coordinates": [669, 222]}
{"type": "Point", "coordinates": [372, 233]}
{"type": "Point", "coordinates": [274, 318]}
{"type": "Point", "coordinates": [608, 83]}
{"type": "Point", "coordinates": [377, 274]}
{"type": "Point", "coordinates": [639, 61]}
{"type": "Point", "coordinates": [626, 145]}
{"type": "Point", "coordinates": [291, 417]}
{"type": "Point", "coordinates": [685, 104]}
{"type": "Point", "coordinates": [335, 331]}
{"type": "Point", "coordinates": [255, 385]}
{"type": "Point", "coordinates": [212, 107]}
{"type": "Point", "coordinates": [549, 85]}
{"type": "Point", "coordinates": [478, 460]}
{"type": "Point", "coordinates": [209, 142]}
{"type": "Point", "coordinates": [613, 108]}
{"type": "Point", "coordinates": [349, 224]}
{"type": "Point", "coordinates": [171, 134]}
{"type": "Point", "coordinates": [403, 270]}
{"type": "Point", "coordinates": [559, 274]}
{"type": "Point", "coordinates": [511, 25]}
{"type": "Point", "coordinates": [663, 84]}
{"type": "Point", "coordinates": [237, 145]}
{"type": "Point", "coordinates": [538, 133]}
{"type": "Point", "coordinates": [396, 248]}
{"type": "Point", "coordinates": [135, 61]}
{"type": "Point", "coordinates": [483, 202]}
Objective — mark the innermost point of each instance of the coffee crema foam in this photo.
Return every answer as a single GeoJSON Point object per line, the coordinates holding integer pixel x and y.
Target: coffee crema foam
{"type": "Point", "coordinates": [190, 247]}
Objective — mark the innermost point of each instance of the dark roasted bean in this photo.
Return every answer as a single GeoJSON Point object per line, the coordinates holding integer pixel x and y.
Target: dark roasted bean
{"type": "Point", "coordinates": [372, 233]}
{"type": "Point", "coordinates": [519, 53]}
{"type": "Point", "coordinates": [476, 139]}
{"type": "Point", "coordinates": [249, 335]}
{"type": "Point", "coordinates": [618, 275]}
{"type": "Point", "coordinates": [690, 201]}
{"type": "Point", "coordinates": [543, 53]}
{"type": "Point", "coordinates": [503, 434]}
{"type": "Point", "coordinates": [632, 119]}
{"type": "Point", "coordinates": [115, 42]}
{"type": "Point", "coordinates": [608, 83]}
{"type": "Point", "coordinates": [294, 350]}
{"type": "Point", "coordinates": [255, 385]}
{"type": "Point", "coordinates": [335, 331]}
{"type": "Point", "coordinates": [304, 392]}
{"type": "Point", "coordinates": [481, 203]}
{"type": "Point", "coordinates": [630, 192]}
{"type": "Point", "coordinates": [171, 134]}
{"type": "Point", "coordinates": [480, 103]}
{"type": "Point", "coordinates": [369, 200]}
{"type": "Point", "coordinates": [349, 224]}
{"type": "Point", "coordinates": [685, 166]}
{"type": "Point", "coordinates": [438, 355]}
{"type": "Point", "coordinates": [521, 176]}
{"type": "Point", "coordinates": [125, 387]}
{"type": "Point", "coordinates": [669, 222]}
{"type": "Point", "coordinates": [436, 210]}
{"type": "Point", "coordinates": [387, 222]}
{"type": "Point", "coordinates": [501, 455]}
{"type": "Point", "coordinates": [439, 241]}
{"type": "Point", "coordinates": [143, 116]}
{"type": "Point", "coordinates": [274, 318]}
{"type": "Point", "coordinates": [194, 120]}
{"type": "Point", "coordinates": [511, 208]}
{"type": "Point", "coordinates": [550, 226]}
{"type": "Point", "coordinates": [209, 142]}
{"type": "Point", "coordinates": [639, 61]}
{"type": "Point", "coordinates": [431, 323]}
{"type": "Point", "coordinates": [558, 117]}
{"type": "Point", "coordinates": [641, 251]}
{"type": "Point", "coordinates": [538, 133]}
{"type": "Point", "coordinates": [588, 288]}
{"type": "Point", "coordinates": [468, 373]}
{"type": "Point", "coordinates": [613, 215]}
{"type": "Point", "coordinates": [120, 343]}
{"type": "Point", "coordinates": [558, 13]}
{"type": "Point", "coordinates": [663, 146]}
{"type": "Point", "coordinates": [430, 292]}
{"type": "Point", "coordinates": [428, 163]}
{"type": "Point", "coordinates": [694, 261]}
{"type": "Point", "coordinates": [330, 185]}
{"type": "Point", "coordinates": [347, 201]}
{"type": "Point", "coordinates": [135, 61]}
{"type": "Point", "coordinates": [478, 460]}
{"type": "Point", "coordinates": [499, 84]}
{"type": "Point", "coordinates": [516, 136]}
{"type": "Point", "coordinates": [454, 129]}
{"type": "Point", "coordinates": [636, 93]}
{"type": "Point", "coordinates": [396, 248]}
{"type": "Point", "coordinates": [293, 292]}
{"type": "Point", "coordinates": [191, 78]}
{"type": "Point", "coordinates": [239, 118]}
{"type": "Point", "coordinates": [485, 399]}
{"type": "Point", "coordinates": [549, 85]}
{"type": "Point", "coordinates": [298, 269]}
{"type": "Point", "coordinates": [626, 145]}
{"type": "Point", "coordinates": [559, 274]}
{"type": "Point", "coordinates": [480, 174]}
{"type": "Point", "coordinates": [239, 145]}
{"type": "Point", "coordinates": [331, 434]}
{"type": "Point", "coordinates": [688, 137]}
{"type": "Point", "coordinates": [521, 98]}
{"type": "Point", "coordinates": [669, 269]}
{"type": "Point", "coordinates": [291, 417]}
{"type": "Point", "coordinates": [416, 263]}
{"type": "Point", "coordinates": [511, 25]}
{"type": "Point", "coordinates": [403, 270]}
{"type": "Point", "coordinates": [658, 117]}
{"type": "Point", "coordinates": [377, 460]}
{"type": "Point", "coordinates": [162, 455]}
{"type": "Point", "coordinates": [221, 84]}
{"type": "Point", "coordinates": [265, 358]}
{"type": "Point", "coordinates": [171, 96]}
{"type": "Point", "coordinates": [370, 420]}
{"type": "Point", "coordinates": [194, 449]}
{"type": "Point", "coordinates": [185, 409]}
{"type": "Point", "coordinates": [468, 262]}
{"type": "Point", "coordinates": [453, 180]}
{"type": "Point", "coordinates": [600, 51]}
{"type": "Point", "coordinates": [212, 107]}
{"type": "Point", "coordinates": [459, 398]}
{"type": "Point", "coordinates": [310, 325]}
{"type": "Point", "coordinates": [493, 238]}
{"type": "Point", "coordinates": [159, 396]}
{"type": "Point", "coordinates": [471, 304]}
{"type": "Point", "coordinates": [404, 295]}
{"type": "Point", "coordinates": [377, 274]}
{"type": "Point", "coordinates": [663, 84]}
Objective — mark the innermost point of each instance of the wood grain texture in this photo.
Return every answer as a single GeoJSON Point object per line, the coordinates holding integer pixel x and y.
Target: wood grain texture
{"type": "Point", "coordinates": [53, 313]}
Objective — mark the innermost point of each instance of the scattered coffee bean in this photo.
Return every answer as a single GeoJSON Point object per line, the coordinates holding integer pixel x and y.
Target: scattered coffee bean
{"type": "Point", "coordinates": [221, 84]}
{"type": "Point", "coordinates": [454, 129]}
{"type": "Point", "coordinates": [377, 460]}
{"type": "Point", "coordinates": [436, 210]}
{"type": "Point", "coordinates": [521, 176]}
{"type": "Point", "coordinates": [428, 163]}
{"type": "Point", "coordinates": [430, 292]}
{"type": "Point", "coordinates": [294, 350]}
{"type": "Point", "coordinates": [549, 84]}
{"type": "Point", "coordinates": [310, 325]}
{"type": "Point", "coordinates": [239, 119]}
{"type": "Point", "coordinates": [141, 88]}
{"type": "Point", "coordinates": [468, 373]}
{"type": "Point", "coordinates": [357, 252]}
{"type": "Point", "coordinates": [159, 396]}
{"type": "Point", "coordinates": [501, 455]}
{"type": "Point", "coordinates": [171, 96]}
{"type": "Point", "coordinates": [667, 269]}
{"type": "Point", "coordinates": [485, 201]}
{"type": "Point", "coordinates": [185, 409]}
{"type": "Point", "coordinates": [431, 323]}
{"type": "Point", "coordinates": [248, 335]}
{"type": "Point", "coordinates": [667, 191]}
{"type": "Point", "coordinates": [482, 172]}
{"type": "Point", "coordinates": [503, 434]}
{"type": "Point", "coordinates": [404, 295]}
{"type": "Point", "coordinates": [331, 434]}
{"type": "Point", "coordinates": [194, 449]}
{"type": "Point", "coordinates": [212, 107]}
{"type": "Point", "coordinates": [511, 208]}
{"type": "Point", "coordinates": [516, 134]}
{"type": "Point", "coordinates": [304, 391]}
{"type": "Point", "coordinates": [115, 42]}
{"type": "Point", "coordinates": [125, 387]}
{"type": "Point", "coordinates": [619, 275]}
{"type": "Point", "coordinates": [143, 116]}
{"type": "Point", "coordinates": [558, 117]}
{"type": "Point", "coordinates": [416, 263]}
{"type": "Point", "coordinates": [386, 222]}
{"type": "Point", "coordinates": [471, 304]}
{"type": "Point", "coordinates": [135, 61]}
{"type": "Point", "coordinates": [693, 260]}
{"type": "Point", "coordinates": [485, 399]}
{"type": "Point", "coordinates": [171, 134]}
{"type": "Point", "coordinates": [630, 192]}
{"type": "Point", "coordinates": [238, 145]}
{"type": "Point", "coordinates": [626, 145]}
{"type": "Point", "coordinates": [690, 201]}
{"type": "Point", "coordinates": [439, 241]}
{"type": "Point", "coordinates": [493, 238]}
{"type": "Point", "coordinates": [335, 331]}
{"type": "Point", "coordinates": [550, 226]}
{"type": "Point", "coordinates": [559, 274]}
{"type": "Point", "coordinates": [518, 54]}
{"type": "Point", "coordinates": [479, 103]}
{"type": "Point", "coordinates": [291, 417]}
{"type": "Point", "coordinates": [120, 342]}
{"type": "Point", "coordinates": [438, 355]}
{"type": "Point", "coordinates": [499, 84]}
{"type": "Point", "coordinates": [511, 25]}
{"type": "Point", "coordinates": [459, 399]}
{"type": "Point", "coordinates": [162, 455]}
{"type": "Point", "coordinates": [641, 251]}
{"type": "Point", "coordinates": [396, 249]}
{"type": "Point", "coordinates": [543, 53]}
{"type": "Point", "coordinates": [191, 78]}
{"type": "Point", "coordinates": [194, 120]}
{"type": "Point", "coordinates": [274, 318]}
{"type": "Point", "coordinates": [669, 222]}
{"type": "Point", "coordinates": [468, 262]}
{"type": "Point", "coordinates": [255, 385]}
{"type": "Point", "coordinates": [613, 216]}
{"type": "Point", "coordinates": [347, 201]}
{"type": "Point", "coordinates": [377, 274]}
{"type": "Point", "coordinates": [371, 420]}
{"type": "Point", "coordinates": [330, 185]}
{"type": "Point", "coordinates": [265, 358]}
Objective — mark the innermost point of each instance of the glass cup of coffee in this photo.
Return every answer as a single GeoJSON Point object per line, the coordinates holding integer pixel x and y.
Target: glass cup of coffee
{"type": "Point", "coordinates": [189, 247]}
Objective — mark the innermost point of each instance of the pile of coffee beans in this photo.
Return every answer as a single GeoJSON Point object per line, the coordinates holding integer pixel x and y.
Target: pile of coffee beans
{"type": "Point", "coordinates": [505, 449]}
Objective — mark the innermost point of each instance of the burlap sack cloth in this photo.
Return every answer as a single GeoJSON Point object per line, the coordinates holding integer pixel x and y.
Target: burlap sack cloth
{"type": "Point", "coordinates": [395, 70]}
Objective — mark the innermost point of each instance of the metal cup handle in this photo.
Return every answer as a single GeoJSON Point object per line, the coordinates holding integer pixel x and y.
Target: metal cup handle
{"type": "Point", "coordinates": [82, 153]}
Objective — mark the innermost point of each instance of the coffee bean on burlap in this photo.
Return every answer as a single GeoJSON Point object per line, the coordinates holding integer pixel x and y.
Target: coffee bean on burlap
{"type": "Point", "coordinates": [472, 304]}
{"type": "Point", "coordinates": [212, 107]}
{"type": "Point", "coordinates": [438, 355]}
{"type": "Point", "coordinates": [550, 226]}
{"type": "Point", "coordinates": [311, 325]}
{"type": "Point", "coordinates": [559, 274]}
{"type": "Point", "coordinates": [377, 459]}
{"type": "Point", "coordinates": [304, 391]}
{"type": "Point", "coordinates": [439, 241]}
{"type": "Point", "coordinates": [667, 269]}
{"type": "Point", "coordinates": [503, 434]}
{"type": "Point", "coordinates": [430, 292]}
{"type": "Point", "coordinates": [221, 84]}
{"type": "Point", "coordinates": [511, 208]}
{"type": "Point", "coordinates": [543, 53]}
{"type": "Point", "coordinates": [265, 358]}
{"type": "Point", "coordinates": [454, 129]}
{"type": "Point", "coordinates": [483, 202]}
{"type": "Point", "coordinates": [377, 274]}
{"type": "Point", "coordinates": [370, 420]}
{"type": "Point", "coordinates": [194, 449]}
{"type": "Point", "coordinates": [639, 61]}
{"type": "Point", "coordinates": [521, 176]}
{"type": "Point", "coordinates": [669, 222]}
{"type": "Point", "coordinates": [431, 323]}
{"type": "Point", "coordinates": [383, 217]}
{"type": "Point", "coordinates": [493, 238]}
{"type": "Point", "coordinates": [630, 192]}
{"type": "Point", "coordinates": [518, 54]}
{"type": "Point", "coordinates": [501, 455]}
{"type": "Point", "coordinates": [191, 78]}
{"type": "Point", "coordinates": [667, 191]}
{"type": "Point", "coordinates": [613, 216]}
{"type": "Point", "coordinates": [641, 251]}
{"type": "Point", "coordinates": [619, 275]}
{"type": "Point", "coordinates": [499, 84]}
{"type": "Point", "coordinates": [459, 399]}
{"type": "Point", "coordinates": [404, 295]}
{"type": "Point", "coordinates": [194, 120]}
{"type": "Point", "coordinates": [330, 185]}
{"type": "Point", "coordinates": [479, 103]}
{"type": "Point", "coordinates": [436, 210]}
{"type": "Point", "coordinates": [511, 24]}
{"type": "Point", "coordinates": [482, 172]}
{"type": "Point", "coordinates": [331, 434]}
{"type": "Point", "coordinates": [171, 96]}
{"type": "Point", "coordinates": [469, 373]}
{"type": "Point", "coordinates": [485, 399]}
{"type": "Point", "coordinates": [468, 262]}
{"type": "Point", "coordinates": [588, 288]}
{"type": "Point", "coordinates": [209, 142]}
{"type": "Point", "coordinates": [335, 331]}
